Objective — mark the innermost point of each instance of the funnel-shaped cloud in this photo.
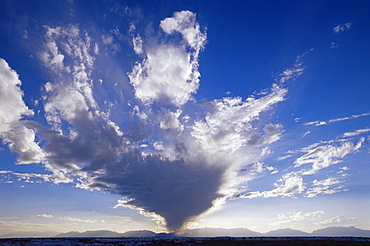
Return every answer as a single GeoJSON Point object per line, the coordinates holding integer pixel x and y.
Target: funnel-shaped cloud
{"type": "Point", "coordinates": [163, 158]}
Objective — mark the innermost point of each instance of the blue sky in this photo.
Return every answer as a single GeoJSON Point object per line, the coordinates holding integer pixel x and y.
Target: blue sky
{"type": "Point", "coordinates": [162, 115]}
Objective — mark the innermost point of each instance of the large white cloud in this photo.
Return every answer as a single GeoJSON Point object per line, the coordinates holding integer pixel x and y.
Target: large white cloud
{"type": "Point", "coordinates": [167, 160]}
{"type": "Point", "coordinates": [165, 76]}
{"type": "Point", "coordinates": [12, 108]}
{"type": "Point", "coordinates": [169, 73]}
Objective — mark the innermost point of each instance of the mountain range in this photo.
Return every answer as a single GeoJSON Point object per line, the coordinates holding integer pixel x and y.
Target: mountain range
{"type": "Point", "coordinates": [204, 232]}
{"type": "Point", "coordinates": [236, 232]}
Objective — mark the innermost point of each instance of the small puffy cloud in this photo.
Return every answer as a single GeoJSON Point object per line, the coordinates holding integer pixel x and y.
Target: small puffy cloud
{"type": "Point", "coordinates": [289, 185]}
{"type": "Point", "coordinates": [337, 220]}
{"type": "Point", "coordinates": [297, 217]}
{"type": "Point", "coordinates": [184, 22]}
{"type": "Point", "coordinates": [21, 139]}
{"type": "Point", "coordinates": [342, 27]}
{"type": "Point", "coordinates": [48, 216]}
{"type": "Point", "coordinates": [324, 187]}
{"type": "Point", "coordinates": [138, 45]}
{"type": "Point", "coordinates": [334, 45]}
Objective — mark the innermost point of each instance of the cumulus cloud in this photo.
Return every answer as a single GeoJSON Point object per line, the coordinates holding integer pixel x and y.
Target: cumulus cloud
{"type": "Point", "coordinates": [185, 23]}
{"type": "Point", "coordinates": [169, 73]}
{"type": "Point", "coordinates": [164, 159]}
{"type": "Point", "coordinates": [12, 109]}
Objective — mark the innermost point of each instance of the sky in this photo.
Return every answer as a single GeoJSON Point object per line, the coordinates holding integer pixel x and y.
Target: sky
{"type": "Point", "coordinates": [165, 115]}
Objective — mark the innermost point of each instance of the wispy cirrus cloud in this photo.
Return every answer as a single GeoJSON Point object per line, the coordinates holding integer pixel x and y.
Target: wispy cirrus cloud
{"type": "Point", "coordinates": [356, 133]}
{"type": "Point", "coordinates": [320, 155]}
{"type": "Point", "coordinates": [296, 70]}
{"type": "Point", "coordinates": [321, 123]}
{"type": "Point", "coordinates": [73, 219]}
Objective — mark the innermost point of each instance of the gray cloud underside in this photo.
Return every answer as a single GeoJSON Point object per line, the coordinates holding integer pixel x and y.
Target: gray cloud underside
{"type": "Point", "coordinates": [159, 158]}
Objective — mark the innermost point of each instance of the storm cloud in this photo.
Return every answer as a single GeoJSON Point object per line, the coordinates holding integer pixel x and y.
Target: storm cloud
{"type": "Point", "coordinates": [162, 158]}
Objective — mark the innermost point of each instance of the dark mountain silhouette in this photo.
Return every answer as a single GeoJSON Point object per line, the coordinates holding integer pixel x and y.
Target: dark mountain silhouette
{"type": "Point", "coordinates": [341, 231]}
{"type": "Point", "coordinates": [105, 233]}
{"type": "Point", "coordinates": [143, 233]}
{"type": "Point", "coordinates": [101, 233]}
{"type": "Point", "coordinates": [236, 232]}
{"type": "Point", "coordinates": [286, 233]}
{"type": "Point", "coordinates": [26, 234]}
{"type": "Point", "coordinates": [216, 232]}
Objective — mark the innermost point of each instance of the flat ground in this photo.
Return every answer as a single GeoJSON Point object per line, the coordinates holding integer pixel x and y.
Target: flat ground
{"type": "Point", "coordinates": [222, 241]}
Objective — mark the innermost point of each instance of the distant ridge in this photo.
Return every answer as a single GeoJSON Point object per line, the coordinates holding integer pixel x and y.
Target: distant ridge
{"type": "Point", "coordinates": [105, 233]}
{"type": "Point", "coordinates": [286, 233]}
{"type": "Point", "coordinates": [219, 232]}
{"type": "Point", "coordinates": [341, 231]}
{"type": "Point", "coordinates": [26, 234]}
